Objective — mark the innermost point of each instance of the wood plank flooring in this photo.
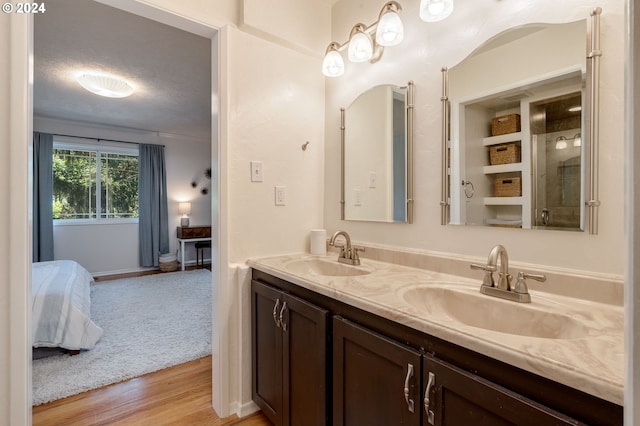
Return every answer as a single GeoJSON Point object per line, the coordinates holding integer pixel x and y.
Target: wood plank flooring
{"type": "Point", "coordinates": [179, 395]}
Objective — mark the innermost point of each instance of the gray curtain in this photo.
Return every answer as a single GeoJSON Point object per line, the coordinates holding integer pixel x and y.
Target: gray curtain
{"type": "Point", "coordinates": [42, 197]}
{"type": "Point", "coordinates": [152, 196]}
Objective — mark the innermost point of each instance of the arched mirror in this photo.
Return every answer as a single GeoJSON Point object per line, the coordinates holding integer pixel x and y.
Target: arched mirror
{"type": "Point", "coordinates": [377, 155]}
{"type": "Point", "coordinates": [520, 130]}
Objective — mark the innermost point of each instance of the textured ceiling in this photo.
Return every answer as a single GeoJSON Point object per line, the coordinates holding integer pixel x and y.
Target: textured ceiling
{"type": "Point", "coordinates": [170, 68]}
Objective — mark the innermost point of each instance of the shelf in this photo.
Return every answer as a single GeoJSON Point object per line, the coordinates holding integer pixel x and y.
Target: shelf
{"type": "Point", "coordinates": [502, 168]}
{"type": "Point", "coordinates": [503, 201]}
{"type": "Point", "coordinates": [496, 140]}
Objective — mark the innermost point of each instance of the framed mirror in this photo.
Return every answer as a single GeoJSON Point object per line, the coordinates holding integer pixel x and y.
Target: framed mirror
{"type": "Point", "coordinates": [520, 130]}
{"type": "Point", "coordinates": [377, 155]}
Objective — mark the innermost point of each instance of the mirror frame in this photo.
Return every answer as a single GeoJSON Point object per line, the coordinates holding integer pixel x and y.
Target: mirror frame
{"type": "Point", "coordinates": [409, 159]}
{"type": "Point", "coordinates": [593, 129]}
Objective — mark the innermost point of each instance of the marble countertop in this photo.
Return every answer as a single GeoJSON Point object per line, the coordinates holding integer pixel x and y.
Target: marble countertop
{"type": "Point", "coordinates": [591, 360]}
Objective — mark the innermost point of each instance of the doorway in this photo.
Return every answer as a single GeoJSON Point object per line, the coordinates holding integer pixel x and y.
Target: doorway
{"type": "Point", "coordinates": [21, 42]}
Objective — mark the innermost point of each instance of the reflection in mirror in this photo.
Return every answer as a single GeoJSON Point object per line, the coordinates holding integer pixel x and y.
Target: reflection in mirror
{"type": "Point", "coordinates": [517, 134]}
{"type": "Point", "coordinates": [377, 145]}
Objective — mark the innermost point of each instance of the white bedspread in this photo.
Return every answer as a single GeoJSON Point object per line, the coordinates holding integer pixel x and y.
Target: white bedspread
{"type": "Point", "coordinates": [61, 306]}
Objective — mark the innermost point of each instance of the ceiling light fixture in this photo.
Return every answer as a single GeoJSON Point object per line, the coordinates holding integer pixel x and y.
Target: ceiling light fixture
{"type": "Point", "coordinates": [105, 85]}
{"type": "Point", "coordinates": [361, 47]}
{"type": "Point", "coordinates": [435, 10]}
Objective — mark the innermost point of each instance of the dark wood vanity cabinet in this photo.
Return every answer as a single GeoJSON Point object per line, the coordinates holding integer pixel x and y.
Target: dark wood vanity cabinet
{"type": "Point", "coordinates": [353, 371]}
{"type": "Point", "coordinates": [289, 345]}
{"type": "Point", "coordinates": [376, 381]}
{"type": "Point", "coordinates": [455, 397]}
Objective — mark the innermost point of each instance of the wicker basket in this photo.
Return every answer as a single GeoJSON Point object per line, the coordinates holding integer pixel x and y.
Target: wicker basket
{"type": "Point", "coordinates": [504, 124]}
{"type": "Point", "coordinates": [508, 187]}
{"type": "Point", "coordinates": [168, 262]}
{"type": "Point", "coordinates": [506, 153]}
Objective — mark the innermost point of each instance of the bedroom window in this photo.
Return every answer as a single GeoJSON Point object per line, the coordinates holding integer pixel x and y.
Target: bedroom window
{"type": "Point", "coordinates": [94, 183]}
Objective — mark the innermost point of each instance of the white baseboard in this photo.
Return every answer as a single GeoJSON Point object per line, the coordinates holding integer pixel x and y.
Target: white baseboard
{"type": "Point", "coordinates": [243, 410]}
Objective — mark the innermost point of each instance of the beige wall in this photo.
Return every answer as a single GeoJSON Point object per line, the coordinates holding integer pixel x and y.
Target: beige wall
{"type": "Point", "coordinates": [425, 49]}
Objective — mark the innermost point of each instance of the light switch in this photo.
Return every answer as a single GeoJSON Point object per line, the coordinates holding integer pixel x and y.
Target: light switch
{"type": "Point", "coordinates": [256, 171]}
{"type": "Point", "coordinates": [357, 197]}
{"type": "Point", "coordinates": [373, 177]}
{"type": "Point", "coordinates": [281, 195]}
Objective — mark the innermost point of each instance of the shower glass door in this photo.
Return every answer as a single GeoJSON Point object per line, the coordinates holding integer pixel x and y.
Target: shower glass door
{"type": "Point", "coordinates": [556, 138]}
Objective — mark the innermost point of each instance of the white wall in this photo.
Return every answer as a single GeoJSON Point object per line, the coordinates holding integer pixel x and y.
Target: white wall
{"type": "Point", "coordinates": [113, 248]}
{"type": "Point", "coordinates": [425, 49]}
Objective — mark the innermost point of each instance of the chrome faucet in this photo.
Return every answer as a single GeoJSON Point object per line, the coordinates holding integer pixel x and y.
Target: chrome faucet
{"type": "Point", "coordinates": [348, 254]}
{"type": "Point", "coordinates": [503, 289]}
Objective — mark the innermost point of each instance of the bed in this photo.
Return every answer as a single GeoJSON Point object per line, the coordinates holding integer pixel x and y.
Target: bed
{"type": "Point", "coordinates": [61, 306]}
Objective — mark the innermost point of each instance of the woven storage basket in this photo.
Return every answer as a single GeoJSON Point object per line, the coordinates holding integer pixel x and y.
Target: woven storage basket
{"type": "Point", "coordinates": [506, 153]}
{"type": "Point", "coordinates": [508, 187]}
{"type": "Point", "coordinates": [168, 262]}
{"type": "Point", "coordinates": [504, 124]}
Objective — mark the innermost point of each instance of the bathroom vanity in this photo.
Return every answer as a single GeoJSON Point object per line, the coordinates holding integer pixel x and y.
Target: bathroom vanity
{"type": "Point", "coordinates": [383, 344]}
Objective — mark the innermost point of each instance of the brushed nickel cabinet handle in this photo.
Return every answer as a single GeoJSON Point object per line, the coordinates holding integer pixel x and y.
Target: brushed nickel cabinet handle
{"type": "Point", "coordinates": [410, 403]}
{"type": "Point", "coordinates": [284, 324]}
{"type": "Point", "coordinates": [275, 313]}
{"type": "Point", "coordinates": [430, 383]}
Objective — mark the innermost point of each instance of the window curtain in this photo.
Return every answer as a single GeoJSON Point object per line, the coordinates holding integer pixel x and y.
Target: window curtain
{"type": "Point", "coordinates": [153, 220]}
{"type": "Point", "coordinates": [42, 197]}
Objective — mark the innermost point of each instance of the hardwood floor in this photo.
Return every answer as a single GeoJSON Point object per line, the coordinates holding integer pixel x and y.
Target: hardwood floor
{"type": "Point", "coordinates": [179, 395]}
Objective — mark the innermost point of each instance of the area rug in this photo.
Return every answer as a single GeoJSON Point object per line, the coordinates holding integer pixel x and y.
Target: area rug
{"type": "Point", "coordinates": [150, 323]}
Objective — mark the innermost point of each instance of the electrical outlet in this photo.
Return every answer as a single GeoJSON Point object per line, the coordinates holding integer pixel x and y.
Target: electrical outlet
{"type": "Point", "coordinates": [357, 197]}
{"type": "Point", "coordinates": [281, 195]}
{"type": "Point", "coordinates": [256, 171]}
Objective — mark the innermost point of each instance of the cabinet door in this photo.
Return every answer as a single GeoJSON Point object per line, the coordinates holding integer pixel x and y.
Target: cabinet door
{"type": "Point", "coordinates": [456, 397]}
{"type": "Point", "coordinates": [376, 381]}
{"type": "Point", "coordinates": [304, 329]}
{"type": "Point", "coordinates": [266, 335]}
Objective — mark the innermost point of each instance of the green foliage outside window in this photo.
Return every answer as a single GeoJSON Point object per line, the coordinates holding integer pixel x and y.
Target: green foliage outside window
{"type": "Point", "coordinates": [78, 175]}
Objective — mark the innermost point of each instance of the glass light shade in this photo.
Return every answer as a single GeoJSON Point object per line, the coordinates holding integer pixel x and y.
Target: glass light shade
{"type": "Point", "coordinates": [360, 47]}
{"type": "Point", "coordinates": [435, 10]}
{"type": "Point", "coordinates": [333, 64]}
{"type": "Point", "coordinates": [105, 85]}
{"type": "Point", "coordinates": [390, 31]}
{"type": "Point", "coordinates": [561, 142]}
{"type": "Point", "coordinates": [577, 140]}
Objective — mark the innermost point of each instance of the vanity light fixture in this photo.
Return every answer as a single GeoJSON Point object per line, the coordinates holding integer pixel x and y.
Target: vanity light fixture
{"type": "Point", "coordinates": [333, 64]}
{"type": "Point", "coordinates": [577, 140]}
{"type": "Point", "coordinates": [361, 46]}
{"type": "Point", "coordinates": [561, 142]}
{"type": "Point", "coordinates": [435, 10]}
{"type": "Point", "coordinates": [575, 108]}
{"type": "Point", "coordinates": [105, 85]}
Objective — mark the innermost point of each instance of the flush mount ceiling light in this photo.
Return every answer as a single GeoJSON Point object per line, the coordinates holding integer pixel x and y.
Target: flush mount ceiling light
{"type": "Point", "coordinates": [361, 47]}
{"type": "Point", "coordinates": [105, 85]}
{"type": "Point", "coordinates": [435, 10]}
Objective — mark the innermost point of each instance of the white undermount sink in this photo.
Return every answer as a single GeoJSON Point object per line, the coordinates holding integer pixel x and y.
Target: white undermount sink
{"type": "Point", "coordinates": [467, 306]}
{"type": "Point", "coordinates": [315, 266]}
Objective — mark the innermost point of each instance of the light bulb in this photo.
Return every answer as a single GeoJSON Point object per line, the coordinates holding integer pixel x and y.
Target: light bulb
{"type": "Point", "coordinates": [435, 10]}
{"type": "Point", "coordinates": [333, 64]}
{"type": "Point", "coordinates": [360, 46]}
{"type": "Point", "coordinates": [561, 142]}
{"type": "Point", "coordinates": [390, 31]}
{"type": "Point", "coordinates": [577, 140]}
